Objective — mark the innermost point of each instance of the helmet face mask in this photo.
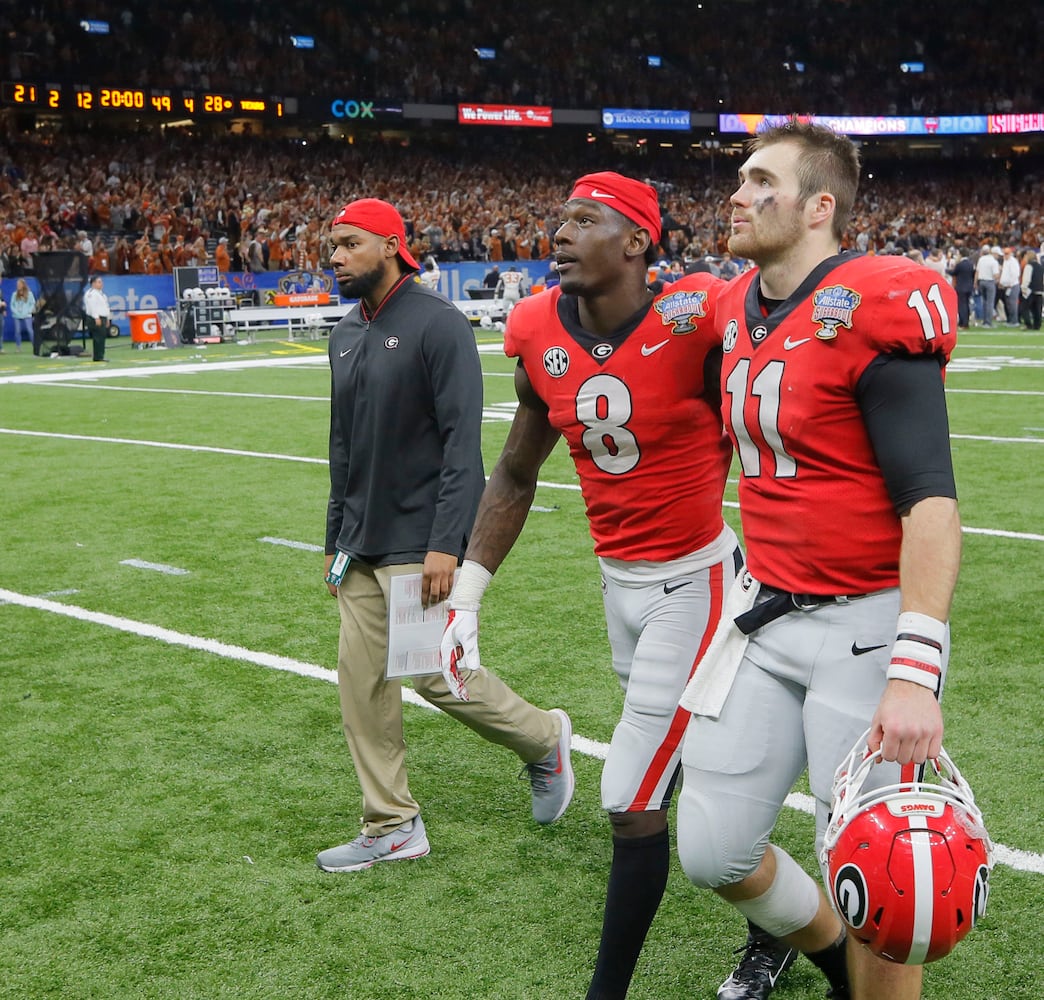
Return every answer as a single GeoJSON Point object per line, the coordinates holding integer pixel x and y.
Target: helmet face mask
{"type": "Point", "coordinates": [907, 864]}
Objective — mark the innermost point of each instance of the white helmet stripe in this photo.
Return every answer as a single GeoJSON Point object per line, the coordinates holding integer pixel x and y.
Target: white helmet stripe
{"type": "Point", "coordinates": [924, 891]}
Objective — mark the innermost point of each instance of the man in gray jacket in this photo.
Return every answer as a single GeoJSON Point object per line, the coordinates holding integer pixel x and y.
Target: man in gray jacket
{"type": "Point", "coordinates": [405, 480]}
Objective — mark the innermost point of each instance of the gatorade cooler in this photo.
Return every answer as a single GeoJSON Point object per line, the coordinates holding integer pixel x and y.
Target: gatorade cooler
{"type": "Point", "coordinates": [144, 329]}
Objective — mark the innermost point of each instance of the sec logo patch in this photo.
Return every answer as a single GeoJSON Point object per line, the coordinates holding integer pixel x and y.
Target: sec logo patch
{"type": "Point", "coordinates": [556, 361]}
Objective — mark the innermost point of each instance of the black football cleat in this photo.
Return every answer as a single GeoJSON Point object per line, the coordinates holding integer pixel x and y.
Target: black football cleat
{"type": "Point", "coordinates": [764, 960]}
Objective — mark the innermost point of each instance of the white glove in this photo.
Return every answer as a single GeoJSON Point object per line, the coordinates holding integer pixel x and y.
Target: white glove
{"type": "Point", "coordinates": [460, 640]}
{"type": "Point", "coordinates": [459, 649]}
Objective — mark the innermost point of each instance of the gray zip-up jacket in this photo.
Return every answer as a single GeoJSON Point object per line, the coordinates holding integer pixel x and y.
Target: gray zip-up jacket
{"type": "Point", "coordinates": [405, 423]}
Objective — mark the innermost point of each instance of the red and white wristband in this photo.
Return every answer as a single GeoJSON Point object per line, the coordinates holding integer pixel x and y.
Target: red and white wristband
{"type": "Point", "coordinates": [918, 649]}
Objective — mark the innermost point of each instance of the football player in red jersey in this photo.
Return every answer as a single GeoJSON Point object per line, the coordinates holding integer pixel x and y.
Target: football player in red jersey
{"type": "Point", "coordinates": [630, 380]}
{"type": "Point", "coordinates": [832, 381]}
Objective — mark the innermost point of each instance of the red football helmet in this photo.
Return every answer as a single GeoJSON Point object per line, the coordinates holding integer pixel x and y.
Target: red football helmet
{"type": "Point", "coordinates": [908, 864]}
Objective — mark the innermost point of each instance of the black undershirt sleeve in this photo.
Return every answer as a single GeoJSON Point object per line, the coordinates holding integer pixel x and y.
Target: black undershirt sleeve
{"type": "Point", "coordinates": [904, 409]}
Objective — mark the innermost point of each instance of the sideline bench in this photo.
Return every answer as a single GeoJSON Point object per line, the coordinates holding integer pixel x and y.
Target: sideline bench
{"type": "Point", "coordinates": [308, 321]}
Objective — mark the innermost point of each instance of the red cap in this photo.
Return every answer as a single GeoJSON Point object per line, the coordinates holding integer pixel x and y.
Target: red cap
{"type": "Point", "coordinates": [634, 199]}
{"type": "Point", "coordinates": [379, 218]}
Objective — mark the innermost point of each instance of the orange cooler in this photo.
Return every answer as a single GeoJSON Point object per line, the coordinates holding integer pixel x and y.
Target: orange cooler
{"type": "Point", "coordinates": [144, 328]}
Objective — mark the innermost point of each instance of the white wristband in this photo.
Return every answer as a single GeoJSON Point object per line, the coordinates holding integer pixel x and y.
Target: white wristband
{"type": "Point", "coordinates": [917, 653]}
{"type": "Point", "coordinates": [470, 586]}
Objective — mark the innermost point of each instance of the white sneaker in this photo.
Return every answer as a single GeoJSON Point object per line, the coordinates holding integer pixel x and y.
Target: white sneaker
{"type": "Point", "coordinates": [409, 841]}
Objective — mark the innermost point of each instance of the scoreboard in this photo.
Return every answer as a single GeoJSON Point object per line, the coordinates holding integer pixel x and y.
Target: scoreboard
{"type": "Point", "coordinates": [81, 98]}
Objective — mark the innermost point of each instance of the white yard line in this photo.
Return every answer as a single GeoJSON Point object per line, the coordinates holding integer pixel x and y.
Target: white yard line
{"type": "Point", "coordinates": [1012, 857]}
{"type": "Point", "coordinates": [1025, 536]}
{"type": "Point", "coordinates": [290, 544]}
{"type": "Point", "coordinates": [155, 567]}
{"type": "Point", "coordinates": [166, 444]}
{"type": "Point", "coordinates": [184, 392]}
{"type": "Point", "coordinates": [995, 392]}
{"type": "Point", "coordinates": [995, 440]}
{"type": "Point", "coordinates": [107, 371]}
{"type": "Point", "coordinates": [97, 384]}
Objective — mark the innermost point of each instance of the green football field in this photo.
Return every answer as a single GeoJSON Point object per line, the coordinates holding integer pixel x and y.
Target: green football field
{"type": "Point", "coordinates": [172, 754]}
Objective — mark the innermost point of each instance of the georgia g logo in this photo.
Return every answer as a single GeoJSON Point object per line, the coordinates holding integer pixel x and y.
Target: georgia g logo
{"type": "Point", "coordinates": [851, 895]}
{"type": "Point", "coordinates": [982, 893]}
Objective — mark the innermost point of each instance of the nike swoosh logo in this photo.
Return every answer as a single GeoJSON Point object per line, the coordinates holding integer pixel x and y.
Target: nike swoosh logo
{"type": "Point", "coordinates": [400, 845]}
{"type": "Point", "coordinates": [343, 353]}
{"type": "Point", "coordinates": [595, 193]}
{"type": "Point", "coordinates": [789, 345]}
{"type": "Point", "coordinates": [647, 350]}
{"type": "Point", "coordinates": [779, 972]}
{"type": "Point", "coordinates": [668, 589]}
{"type": "Point", "coordinates": [860, 650]}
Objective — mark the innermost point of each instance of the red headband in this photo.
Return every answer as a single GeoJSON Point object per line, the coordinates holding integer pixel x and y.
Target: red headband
{"type": "Point", "coordinates": [634, 199]}
{"type": "Point", "coordinates": [379, 218]}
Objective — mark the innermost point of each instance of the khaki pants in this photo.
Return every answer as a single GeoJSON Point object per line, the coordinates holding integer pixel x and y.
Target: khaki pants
{"type": "Point", "coordinates": [371, 705]}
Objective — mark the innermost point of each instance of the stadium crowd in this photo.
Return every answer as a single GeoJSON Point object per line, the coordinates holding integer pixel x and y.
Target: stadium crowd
{"type": "Point", "coordinates": [841, 56]}
{"type": "Point", "coordinates": [146, 203]}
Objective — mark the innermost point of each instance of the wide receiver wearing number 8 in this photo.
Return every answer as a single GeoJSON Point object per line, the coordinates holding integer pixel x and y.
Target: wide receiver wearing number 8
{"type": "Point", "coordinates": [629, 379]}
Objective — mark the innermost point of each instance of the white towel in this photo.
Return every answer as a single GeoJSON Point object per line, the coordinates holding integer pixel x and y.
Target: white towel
{"type": "Point", "coordinates": [706, 692]}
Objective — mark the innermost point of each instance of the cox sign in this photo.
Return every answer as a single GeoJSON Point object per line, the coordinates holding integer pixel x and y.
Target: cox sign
{"type": "Point", "coordinates": [351, 109]}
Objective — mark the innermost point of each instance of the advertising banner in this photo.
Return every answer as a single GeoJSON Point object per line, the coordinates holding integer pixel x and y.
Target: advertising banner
{"type": "Point", "coordinates": [504, 114]}
{"type": "Point", "coordinates": [645, 118]}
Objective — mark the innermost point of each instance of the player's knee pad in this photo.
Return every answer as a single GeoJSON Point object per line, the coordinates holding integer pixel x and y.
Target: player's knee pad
{"type": "Point", "coordinates": [789, 904]}
{"type": "Point", "coordinates": [715, 848]}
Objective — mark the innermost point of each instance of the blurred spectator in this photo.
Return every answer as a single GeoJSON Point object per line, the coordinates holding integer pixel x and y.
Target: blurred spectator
{"type": "Point", "coordinates": [1032, 290]}
{"type": "Point", "coordinates": [963, 276]}
{"type": "Point", "coordinates": [1009, 280]}
{"type": "Point", "coordinates": [23, 305]}
{"type": "Point", "coordinates": [987, 271]}
{"type": "Point", "coordinates": [430, 273]}
{"type": "Point", "coordinates": [221, 255]}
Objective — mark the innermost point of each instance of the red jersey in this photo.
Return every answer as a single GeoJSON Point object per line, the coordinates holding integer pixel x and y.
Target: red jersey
{"type": "Point", "coordinates": [648, 446]}
{"type": "Point", "coordinates": [816, 514]}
